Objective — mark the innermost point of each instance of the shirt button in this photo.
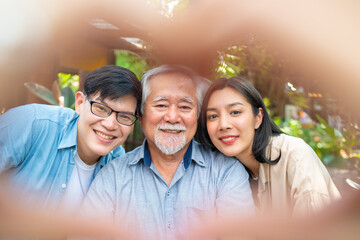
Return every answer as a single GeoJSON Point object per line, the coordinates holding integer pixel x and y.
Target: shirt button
{"type": "Point", "coordinates": [168, 193]}
{"type": "Point", "coordinates": [169, 226]}
{"type": "Point", "coordinates": [63, 185]}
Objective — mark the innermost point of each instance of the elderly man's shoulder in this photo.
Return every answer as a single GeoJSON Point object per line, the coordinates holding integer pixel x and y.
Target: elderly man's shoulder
{"type": "Point", "coordinates": [214, 157]}
{"type": "Point", "coordinates": [126, 160]}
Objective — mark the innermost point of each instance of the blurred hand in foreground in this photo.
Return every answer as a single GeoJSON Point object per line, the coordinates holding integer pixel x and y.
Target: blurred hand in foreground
{"type": "Point", "coordinates": [339, 221]}
{"type": "Point", "coordinates": [19, 220]}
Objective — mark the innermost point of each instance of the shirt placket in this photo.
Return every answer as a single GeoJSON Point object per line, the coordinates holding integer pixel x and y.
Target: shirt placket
{"type": "Point", "coordinates": [70, 168]}
{"type": "Point", "coordinates": [169, 203]}
{"type": "Point", "coordinates": [169, 214]}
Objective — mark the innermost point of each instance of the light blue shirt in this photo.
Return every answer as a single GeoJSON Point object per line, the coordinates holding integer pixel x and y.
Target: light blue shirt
{"type": "Point", "coordinates": [131, 192]}
{"type": "Point", "coordinates": [37, 148]}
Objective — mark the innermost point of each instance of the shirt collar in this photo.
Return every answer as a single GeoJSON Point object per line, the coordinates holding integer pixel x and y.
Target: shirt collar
{"type": "Point", "coordinates": [188, 156]}
{"type": "Point", "coordinates": [192, 153]}
{"type": "Point", "coordinates": [264, 177]}
{"type": "Point", "coordinates": [147, 158]}
{"type": "Point", "coordinates": [70, 135]}
{"type": "Point", "coordinates": [197, 155]}
{"type": "Point", "coordinates": [139, 155]}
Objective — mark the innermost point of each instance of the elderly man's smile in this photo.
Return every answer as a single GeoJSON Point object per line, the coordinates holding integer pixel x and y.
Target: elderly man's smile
{"type": "Point", "coordinates": [171, 131]}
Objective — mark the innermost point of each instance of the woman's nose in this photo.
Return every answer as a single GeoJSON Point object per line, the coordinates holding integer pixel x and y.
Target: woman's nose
{"type": "Point", "coordinates": [224, 122]}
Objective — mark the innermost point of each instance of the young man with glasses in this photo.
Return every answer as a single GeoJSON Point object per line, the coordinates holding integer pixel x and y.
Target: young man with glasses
{"type": "Point", "coordinates": [53, 153]}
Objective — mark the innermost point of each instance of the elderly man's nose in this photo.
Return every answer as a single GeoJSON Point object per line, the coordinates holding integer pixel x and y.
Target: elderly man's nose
{"type": "Point", "coordinates": [172, 115]}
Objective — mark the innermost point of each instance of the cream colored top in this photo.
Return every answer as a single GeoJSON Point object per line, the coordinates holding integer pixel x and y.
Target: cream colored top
{"type": "Point", "coordinates": [299, 182]}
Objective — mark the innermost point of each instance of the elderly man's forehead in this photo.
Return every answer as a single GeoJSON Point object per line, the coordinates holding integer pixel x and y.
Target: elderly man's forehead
{"type": "Point", "coordinates": [183, 99]}
{"type": "Point", "coordinates": [178, 73]}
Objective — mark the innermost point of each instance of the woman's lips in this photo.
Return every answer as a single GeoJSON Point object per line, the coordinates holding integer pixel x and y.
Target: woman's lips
{"type": "Point", "coordinates": [230, 139]}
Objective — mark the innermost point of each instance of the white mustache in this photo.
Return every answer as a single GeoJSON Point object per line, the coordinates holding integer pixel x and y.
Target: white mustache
{"type": "Point", "coordinates": [167, 126]}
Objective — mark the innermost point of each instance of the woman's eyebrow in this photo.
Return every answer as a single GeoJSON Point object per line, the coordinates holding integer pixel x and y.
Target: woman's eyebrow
{"type": "Point", "coordinates": [210, 109]}
{"type": "Point", "coordinates": [229, 105]}
{"type": "Point", "coordinates": [235, 103]}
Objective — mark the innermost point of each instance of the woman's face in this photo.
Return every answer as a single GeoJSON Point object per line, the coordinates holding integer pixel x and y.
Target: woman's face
{"type": "Point", "coordinates": [231, 123]}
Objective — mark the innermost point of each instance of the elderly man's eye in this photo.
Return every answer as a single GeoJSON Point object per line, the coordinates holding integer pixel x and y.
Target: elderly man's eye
{"type": "Point", "coordinates": [185, 108]}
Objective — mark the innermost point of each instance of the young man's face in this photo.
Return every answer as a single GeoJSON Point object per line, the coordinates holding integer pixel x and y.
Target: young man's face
{"type": "Point", "coordinates": [97, 136]}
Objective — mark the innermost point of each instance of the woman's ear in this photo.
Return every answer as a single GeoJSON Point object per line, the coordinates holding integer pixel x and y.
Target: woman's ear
{"type": "Point", "coordinates": [79, 101]}
{"type": "Point", "coordinates": [259, 118]}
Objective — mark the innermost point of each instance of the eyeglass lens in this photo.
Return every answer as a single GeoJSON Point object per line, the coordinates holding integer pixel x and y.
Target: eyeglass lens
{"type": "Point", "coordinates": [104, 111]}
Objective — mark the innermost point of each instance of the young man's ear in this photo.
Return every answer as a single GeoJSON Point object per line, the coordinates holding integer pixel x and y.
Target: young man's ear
{"type": "Point", "coordinates": [259, 118]}
{"type": "Point", "coordinates": [80, 99]}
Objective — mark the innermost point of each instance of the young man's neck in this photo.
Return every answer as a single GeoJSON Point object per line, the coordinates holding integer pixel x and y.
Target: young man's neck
{"type": "Point", "coordinates": [88, 160]}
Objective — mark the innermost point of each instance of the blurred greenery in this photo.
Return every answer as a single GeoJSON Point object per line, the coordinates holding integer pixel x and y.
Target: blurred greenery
{"type": "Point", "coordinates": [68, 80]}
{"type": "Point", "coordinates": [62, 93]}
{"type": "Point", "coordinates": [265, 69]}
{"type": "Point", "coordinates": [332, 146]}
{"type": "Point", "coordinates": [132, 61]}
{"type": "Point", "coordinates": [69, 85]}
{"type": "Point", "coordinates": [42, 92]}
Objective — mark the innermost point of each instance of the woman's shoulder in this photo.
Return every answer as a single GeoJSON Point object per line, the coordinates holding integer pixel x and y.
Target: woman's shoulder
{"type": "Point", "coordinates": [284, 142]}
{"type": "Point", "coordinates": [290, 147]}
{"type": "Point", "coordinates": [284, 139]}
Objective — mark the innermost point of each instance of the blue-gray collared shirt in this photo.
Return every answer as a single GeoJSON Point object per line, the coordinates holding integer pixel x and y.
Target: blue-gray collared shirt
{"type": "Point", "coordinates": [131, 192]}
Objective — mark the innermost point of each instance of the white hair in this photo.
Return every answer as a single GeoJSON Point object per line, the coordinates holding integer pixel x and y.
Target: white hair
{"type": "Point", "coordinates": [201, 83]}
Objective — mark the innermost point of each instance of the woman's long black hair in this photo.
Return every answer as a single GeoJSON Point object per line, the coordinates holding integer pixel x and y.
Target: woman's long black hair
{"type": "Point", "coordinates": [262, 135]}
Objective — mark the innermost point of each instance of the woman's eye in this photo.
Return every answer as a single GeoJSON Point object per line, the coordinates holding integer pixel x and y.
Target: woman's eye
{"type": "Point", "coordinates": [212, 116]}
{"type": "Point", "coordinates": [235, 112]}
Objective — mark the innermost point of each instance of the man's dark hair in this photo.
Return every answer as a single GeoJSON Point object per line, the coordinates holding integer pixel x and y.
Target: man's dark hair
{"type": "Point", "coordinates": [113, 82]}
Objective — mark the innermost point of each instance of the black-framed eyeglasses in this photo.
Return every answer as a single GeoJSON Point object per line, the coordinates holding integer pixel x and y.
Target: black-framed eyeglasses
{"type": "Point", "coordinates": [104, 111]}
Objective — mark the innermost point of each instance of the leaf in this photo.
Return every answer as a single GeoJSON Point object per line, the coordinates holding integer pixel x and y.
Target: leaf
{"type": "Point", "coordinates": [328, 129]}
{"type": "Point", "coordinates": [69, 97]}
{"type": "Point", "coordinates": [56, 90]}
{"type": "Point", "coordinates": [41, 91]}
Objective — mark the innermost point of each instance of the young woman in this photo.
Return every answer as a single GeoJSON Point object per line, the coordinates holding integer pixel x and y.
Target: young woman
{"type": "Point", "coordinates": [285, 173]}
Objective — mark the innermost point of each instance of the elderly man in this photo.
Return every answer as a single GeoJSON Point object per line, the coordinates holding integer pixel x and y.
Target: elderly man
{"type": "Point", "coordinates": [170, 183]}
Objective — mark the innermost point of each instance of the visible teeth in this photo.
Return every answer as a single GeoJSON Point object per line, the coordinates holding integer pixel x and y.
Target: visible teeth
{"type": "Point", "coordinates": [171, 131]}
{"type": "Point", "coordinates": [171, 128]}
{"type": "Point", "coordinates": [228, 139]}
{"type": "Point", "coordinates": [104, 136]}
